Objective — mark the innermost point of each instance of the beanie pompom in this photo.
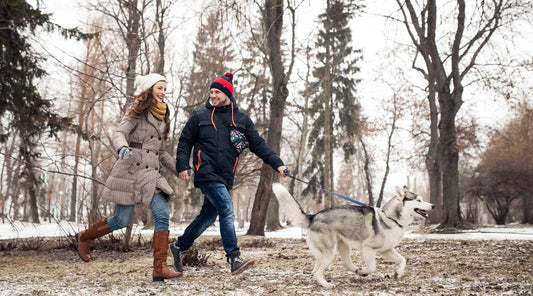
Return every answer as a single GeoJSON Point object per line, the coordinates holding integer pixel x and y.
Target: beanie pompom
{"type": "Point", "coordinates": [224, 84]}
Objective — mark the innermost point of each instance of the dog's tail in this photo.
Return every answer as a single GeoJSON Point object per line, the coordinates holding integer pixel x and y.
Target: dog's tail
{"type": "Point", "coordinates": [290, 207]}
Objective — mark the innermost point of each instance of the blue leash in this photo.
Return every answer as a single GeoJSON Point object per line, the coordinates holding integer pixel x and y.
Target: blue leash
{"type": "Point", "coordinates": [286, 172]}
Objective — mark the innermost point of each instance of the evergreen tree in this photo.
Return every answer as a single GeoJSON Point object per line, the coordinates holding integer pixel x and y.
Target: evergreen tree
{"type": "Point", "coordinates": [22, 108]}
{"type": "Point", "coordinates": [212, 56]}
{"type": "Point", "coordinates": [335, 107]}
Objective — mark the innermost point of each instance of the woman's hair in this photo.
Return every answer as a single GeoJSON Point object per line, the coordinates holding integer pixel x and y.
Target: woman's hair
{"type": "Point", "coordinates": [141, 106]}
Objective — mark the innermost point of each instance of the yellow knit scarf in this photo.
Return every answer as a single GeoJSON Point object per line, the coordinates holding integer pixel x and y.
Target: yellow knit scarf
{"type": "Point", "coordinates": [159, 110]}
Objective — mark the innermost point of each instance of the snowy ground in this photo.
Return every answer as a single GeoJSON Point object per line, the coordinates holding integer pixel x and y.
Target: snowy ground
{"type": "Point", "coordinates": [485, 261]}
{"type": "Point", "coordinates": [28, 230]}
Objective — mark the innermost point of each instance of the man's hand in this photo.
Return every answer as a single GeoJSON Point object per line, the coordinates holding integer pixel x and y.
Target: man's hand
{"type": "Point", "coordinates": [281, 170]}
{"type": "Point", "coordinates": [184, 175]}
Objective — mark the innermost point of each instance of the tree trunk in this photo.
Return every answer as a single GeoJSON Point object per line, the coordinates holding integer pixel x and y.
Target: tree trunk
{"type": "Point", "coordinates": [450, 161]}
{"type": "Point", "coordinates": [31, 181]}
{"type": "Point", "coordinates": [527, 208]}
{"type": "Point", "coordinates": [327, 201]}
{"type": "Point", "coordinates": [273, 19]}
{"type": "Point", "coordinates": [133, 42]}
{"type": "Point", "coordinates": [432, 157]}
{"type": "Point", "coordinates": [74, 189]}
{"type": "Point", "coordinates": [368, 174]}
{"type": "Point", "coordinates": [160, 19]}
{"type": "Point", "coordinates": [272, 223]}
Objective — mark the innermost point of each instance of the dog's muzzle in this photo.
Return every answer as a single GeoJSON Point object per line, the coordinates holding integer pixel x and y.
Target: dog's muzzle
{"type": "Point", "coordinates": [422, 213]}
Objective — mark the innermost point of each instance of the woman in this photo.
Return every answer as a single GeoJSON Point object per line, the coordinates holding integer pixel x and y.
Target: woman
{"type": "Point", "coordinates": [135, 178]}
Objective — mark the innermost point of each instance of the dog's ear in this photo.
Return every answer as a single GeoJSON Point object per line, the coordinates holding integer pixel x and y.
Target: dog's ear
{"type": "Point", "coordinates": [399, 192]}
{"type": "Point", "coordinates": [408, 194]}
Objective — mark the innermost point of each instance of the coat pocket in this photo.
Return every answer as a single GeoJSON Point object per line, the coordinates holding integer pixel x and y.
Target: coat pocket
{"type": "Point", "coordinates": [163, 185]}
{"type": "Point", "coordinates": [135, 161]}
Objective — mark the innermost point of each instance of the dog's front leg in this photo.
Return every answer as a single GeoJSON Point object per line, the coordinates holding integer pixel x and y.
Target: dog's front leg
{"type": "Point", "coordinates": [369, 257]}
{"type": "Point", "coordinates": [395, 257]}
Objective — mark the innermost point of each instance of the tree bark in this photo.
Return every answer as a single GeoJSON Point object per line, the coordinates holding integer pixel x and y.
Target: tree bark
{"type": "Point", "coordinates": [31, 181]}
{"type": "Point", "coordinates": [432, 156]}
{"type": "Point", "coordinates": [273, 21]}
{"type": "Point", "coordinates": [133, 42]}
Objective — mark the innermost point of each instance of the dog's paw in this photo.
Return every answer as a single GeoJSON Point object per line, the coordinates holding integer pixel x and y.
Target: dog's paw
{"type": "Point", "coordinates": [322, 281]}
{"type": "Point", "coordinates": [327, 285]}
{"type": "Point", "coordinates": [363, 272]}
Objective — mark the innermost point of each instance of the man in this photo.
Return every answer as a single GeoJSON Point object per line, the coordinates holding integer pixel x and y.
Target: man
{"type": "Point", "coordinates": [215, 158]}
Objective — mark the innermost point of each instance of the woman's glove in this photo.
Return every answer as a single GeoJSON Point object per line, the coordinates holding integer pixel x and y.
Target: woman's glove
{"type": "Point", "coordinates": [124, 153]}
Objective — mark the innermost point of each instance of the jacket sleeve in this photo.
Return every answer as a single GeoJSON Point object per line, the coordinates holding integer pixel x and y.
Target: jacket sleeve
{"type": "Point", "coordinates": [120, 135]}
{"type": "Point", "coordinates": [186, 142]}
{"type": "Point", "coordinates": [167, 161]}
{"type": "Point", "coordinates": [260, 148]}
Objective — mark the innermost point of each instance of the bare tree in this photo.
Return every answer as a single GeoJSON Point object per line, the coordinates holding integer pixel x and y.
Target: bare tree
{"type": "Point", "coordinates": [395, 114]}
{"type": "Point", "coordinates": [273, 23]}
{"type": "Point", "coordinates": [448, 70]}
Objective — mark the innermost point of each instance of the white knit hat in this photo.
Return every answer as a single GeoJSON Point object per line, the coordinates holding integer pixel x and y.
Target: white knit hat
{"type": "Point", "coordinates": [145, 82]}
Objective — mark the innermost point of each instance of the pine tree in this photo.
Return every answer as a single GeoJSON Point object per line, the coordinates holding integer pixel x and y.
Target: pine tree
{"type": "Point", "coordinates": [22, 108]}
{"type": "Point", "coordinates": [212, 56]}
{"type": "Point", "coordinates": [335, 107]}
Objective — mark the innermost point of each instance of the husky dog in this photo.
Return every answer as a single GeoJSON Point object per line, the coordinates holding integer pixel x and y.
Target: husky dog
{"type": "Point", "coordinates": [368, 229]}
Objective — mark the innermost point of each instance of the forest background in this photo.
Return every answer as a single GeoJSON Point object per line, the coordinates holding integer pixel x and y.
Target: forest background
{"type": "Point", "coordinates": [357, 97]}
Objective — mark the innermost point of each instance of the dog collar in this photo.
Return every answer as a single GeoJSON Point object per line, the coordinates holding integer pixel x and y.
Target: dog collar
{"type": "Point", "coordinates": [396, 222]}
{"type": "Point", "coordinates": [392, 219]}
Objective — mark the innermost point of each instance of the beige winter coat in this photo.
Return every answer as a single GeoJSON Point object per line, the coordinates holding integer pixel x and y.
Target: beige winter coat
{"type": "Point", "coordinates": [135, 180]}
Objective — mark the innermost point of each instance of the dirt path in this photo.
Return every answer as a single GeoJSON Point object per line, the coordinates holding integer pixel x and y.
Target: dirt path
{"type": "Point", "coordinates": [283, 267]}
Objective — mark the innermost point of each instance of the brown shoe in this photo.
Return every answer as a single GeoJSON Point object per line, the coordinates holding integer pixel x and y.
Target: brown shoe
{"type": "Point", "coordinates": [161, 271]}
{"type": "Point", "coordinates": [85, 237]}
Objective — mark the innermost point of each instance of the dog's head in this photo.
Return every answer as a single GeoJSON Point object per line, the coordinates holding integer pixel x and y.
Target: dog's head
{"type": "Point", "coordinates": [414, 203]}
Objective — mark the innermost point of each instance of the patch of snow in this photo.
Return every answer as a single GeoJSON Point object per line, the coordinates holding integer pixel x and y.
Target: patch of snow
{"type": "Point", "coordinates": [63, 228]}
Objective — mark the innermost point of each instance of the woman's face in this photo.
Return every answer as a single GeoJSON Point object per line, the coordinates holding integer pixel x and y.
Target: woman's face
{"type": "Point", "coordinates": [158, 91]}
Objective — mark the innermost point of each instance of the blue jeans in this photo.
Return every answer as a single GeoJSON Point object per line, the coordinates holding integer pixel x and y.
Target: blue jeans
{"type": "Point", "coordinates": [217, 202]}
{"type": "Point", "coordinates": [159, 209]}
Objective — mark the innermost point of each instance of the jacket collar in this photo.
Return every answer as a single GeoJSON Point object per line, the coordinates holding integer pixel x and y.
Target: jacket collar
{"type": "Point", "coordinates": [156, 123]}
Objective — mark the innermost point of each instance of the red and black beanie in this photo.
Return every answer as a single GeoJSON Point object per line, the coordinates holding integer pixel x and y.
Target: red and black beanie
{"type": "Point", "coordinates": [224, 84]}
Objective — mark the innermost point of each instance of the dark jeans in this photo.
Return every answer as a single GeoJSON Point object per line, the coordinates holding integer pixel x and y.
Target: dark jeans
{"type": "Point", "coordinates": [217, 202]}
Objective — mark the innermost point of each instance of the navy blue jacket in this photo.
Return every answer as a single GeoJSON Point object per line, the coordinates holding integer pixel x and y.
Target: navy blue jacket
{"type": "Point", "coordinates": [214, 157]}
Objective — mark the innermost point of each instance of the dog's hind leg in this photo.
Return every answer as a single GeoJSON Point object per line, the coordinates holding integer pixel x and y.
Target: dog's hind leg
{"type": "Point", "coordinates": [323, 248]}
{"type": "Point", "coordinates": [344, 252]}
{"type": "Point", "coordinates": [395, 257]}
{"type": "Point", "coordinates": [369, 257]}
{"type": "Point", "coordinates": [322, 262]}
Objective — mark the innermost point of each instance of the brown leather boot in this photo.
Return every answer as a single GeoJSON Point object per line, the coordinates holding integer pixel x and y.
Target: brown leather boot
{"type": "Point", "coordinates": [84, 238]}
{"type": "Point", "coordinates": [161, 271]}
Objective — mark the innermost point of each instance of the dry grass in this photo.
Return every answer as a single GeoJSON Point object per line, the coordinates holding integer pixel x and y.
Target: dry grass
{"type": "Point", "coordinates": [283, 267]}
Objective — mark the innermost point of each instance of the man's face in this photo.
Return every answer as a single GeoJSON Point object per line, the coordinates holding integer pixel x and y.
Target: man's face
{"type": "Point", "coordinates": [218, 98]}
